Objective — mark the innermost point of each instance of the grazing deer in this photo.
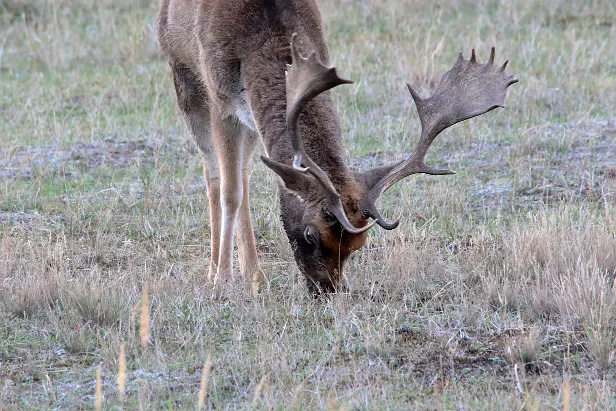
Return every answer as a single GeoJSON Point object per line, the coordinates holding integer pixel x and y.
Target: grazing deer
{"type": "Point", "coordinates": [241, 76]}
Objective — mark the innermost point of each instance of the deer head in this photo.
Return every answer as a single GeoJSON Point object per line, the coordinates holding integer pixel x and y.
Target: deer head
{"type": "Point", "coordinates": [325, 223]}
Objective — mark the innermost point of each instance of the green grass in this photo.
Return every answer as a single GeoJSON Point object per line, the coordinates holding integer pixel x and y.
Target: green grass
{"type": "Point", "coordinates": [496, 288]}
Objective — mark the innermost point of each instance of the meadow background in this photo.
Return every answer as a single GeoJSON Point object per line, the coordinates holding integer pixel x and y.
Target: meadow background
{"type": "Point", "coordinates": [496, 291]}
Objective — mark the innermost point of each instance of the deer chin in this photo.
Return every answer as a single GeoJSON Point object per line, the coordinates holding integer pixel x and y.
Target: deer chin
{"type": "Point", "coordinates": [324, 274]}
{"type": "Point", "coordinates": [320, 280]}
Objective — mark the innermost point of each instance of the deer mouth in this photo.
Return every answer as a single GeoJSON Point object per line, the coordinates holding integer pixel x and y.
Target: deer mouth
{"type": "Point", "coordinates": [326, 283]}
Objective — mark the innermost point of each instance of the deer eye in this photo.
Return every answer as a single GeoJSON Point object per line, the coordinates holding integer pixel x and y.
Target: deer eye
{"type": "Point", "coordinates": [311, 236]}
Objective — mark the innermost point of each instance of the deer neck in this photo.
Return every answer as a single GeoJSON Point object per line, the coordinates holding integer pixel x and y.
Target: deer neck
{"type": "Point", "coordinates": [264, 80]}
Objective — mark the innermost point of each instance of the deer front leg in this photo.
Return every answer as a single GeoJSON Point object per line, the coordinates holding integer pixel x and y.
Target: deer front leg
{"type": "Point", "coordinates": [247, 250]}
{"type": "Point", "coordinates": [227, 136]}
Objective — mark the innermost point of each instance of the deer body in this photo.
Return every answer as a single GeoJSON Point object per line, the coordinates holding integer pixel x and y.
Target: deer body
{"type": "Point", "coordinates": [229, 61]}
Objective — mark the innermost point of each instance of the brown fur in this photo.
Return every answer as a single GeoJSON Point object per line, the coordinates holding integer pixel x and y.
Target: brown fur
{"type": "Point", "coordinates": [229, 57]}
{"type": "Point", "coordinates": [228, 60]}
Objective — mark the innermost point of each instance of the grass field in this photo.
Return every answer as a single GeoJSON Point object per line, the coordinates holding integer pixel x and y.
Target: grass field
{"type": "Point", "coordinates": [496, 292]}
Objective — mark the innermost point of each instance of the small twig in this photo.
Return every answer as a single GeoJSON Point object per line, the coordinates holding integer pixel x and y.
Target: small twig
{"type": "Point", "coordinates": [517, 378]}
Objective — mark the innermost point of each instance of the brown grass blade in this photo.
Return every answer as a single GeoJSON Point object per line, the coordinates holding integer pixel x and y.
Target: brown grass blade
{"type": "Point", "coordinates": [205, 376]}
{"type": "Point", "coordinates": [122, 372]}
{"type": "Point", "coordinates": [98, 395]}
{"type": "Point", "coordinates": [144, 318]}
{"type": "Point", "coordinates": [567, 393]}
{"type": "Point", "coordinates": [258, 390]}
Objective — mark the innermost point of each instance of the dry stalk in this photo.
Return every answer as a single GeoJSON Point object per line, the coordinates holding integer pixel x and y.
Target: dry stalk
{"type": "Point", "coordinates": [98, 395]}
{"type": "Point", "coordinates": [52, 390]}
{"type": "Point", "coordinates": [611, 228]}
{"type": "Point", "coordinates": [122, 373]}
{"type": "Point", "coordinates": [258, 390]}
{"type": "Point", "coordinates": [517, 379]}
{"type": "Point", "coordinates": [567, 393]}
{"type": "Point", "coordinates": [144, 319]}
{"type": "Point", "coordinates": [205, 376]}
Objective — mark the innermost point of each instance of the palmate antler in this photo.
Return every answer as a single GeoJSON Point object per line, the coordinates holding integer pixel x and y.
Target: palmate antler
{"type": "Point", "coordinates": [468, 89]}
{"type": "Point", "coordinates": [306, 78]}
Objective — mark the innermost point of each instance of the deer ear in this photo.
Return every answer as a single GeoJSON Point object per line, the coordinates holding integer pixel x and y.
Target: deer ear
{"type": "Point", "coordinates": [294, 180]}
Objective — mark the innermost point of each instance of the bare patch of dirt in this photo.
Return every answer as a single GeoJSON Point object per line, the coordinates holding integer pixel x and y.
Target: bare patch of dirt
{"type": "Point", "coordinates": [376, 159]}
{"type": "Point", "coordinates": [576, 160]}
{"type": "Point", "coordinates": [27, 219]}
{"type": "Point", "coordinates": [439, 359]}
{"type": "Point", "coordinates": [7, 218]}
{"type": "Point", "coordinates": [26, 162]}
{"type": "Point", "coordinates": [551, 162]}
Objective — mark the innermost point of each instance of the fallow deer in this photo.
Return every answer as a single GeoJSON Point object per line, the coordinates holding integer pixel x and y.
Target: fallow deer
{"type": "Point", "coordinates": [258, 70]}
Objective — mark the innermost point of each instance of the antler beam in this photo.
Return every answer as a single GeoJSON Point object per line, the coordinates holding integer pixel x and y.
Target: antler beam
{"type": "Point", "coordinates": [468, 89]}
{"type": "Point", "coordinates": [307, 77]}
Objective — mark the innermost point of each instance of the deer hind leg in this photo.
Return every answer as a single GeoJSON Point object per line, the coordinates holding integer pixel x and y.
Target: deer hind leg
{"type": "Point", "coordinates": [194, 105]}
{"type": "Point", "coordinates": [249, 263]}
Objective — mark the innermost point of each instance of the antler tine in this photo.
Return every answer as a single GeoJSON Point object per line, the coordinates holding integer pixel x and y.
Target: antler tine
{"type": "Point", "coordinates": [467, 89]}
{"type": "Point", "coordinates": [307, 77]}
{"type": "Point", "coordinates": [492, 54]}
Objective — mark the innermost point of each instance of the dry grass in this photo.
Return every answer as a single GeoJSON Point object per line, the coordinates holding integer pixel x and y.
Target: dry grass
{"type": "Point", "coordinates": [497, 291]}
{"type": "Point", "coordinates": [122, 372]}
{"type": "Point", "coordinates": [98, 394]}
{"type": "Point", "coordinates": [205, 377]}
